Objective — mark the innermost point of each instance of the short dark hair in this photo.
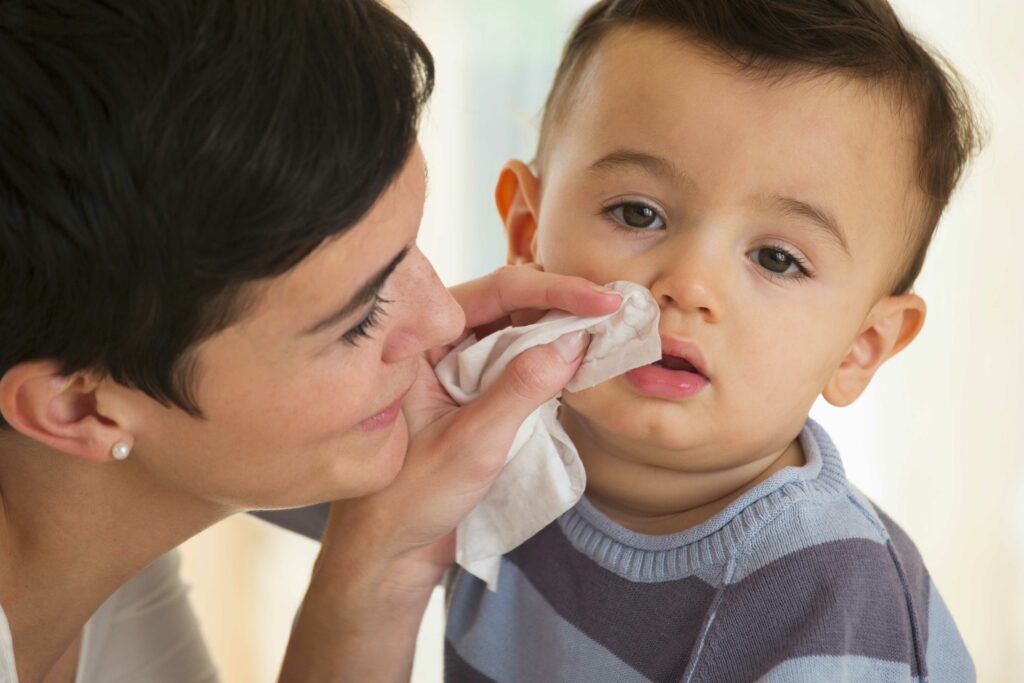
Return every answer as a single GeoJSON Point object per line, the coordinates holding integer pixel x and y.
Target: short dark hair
{"type": "Point", "coordinates": [863, 39]}
{"type": "Point", "coordinates": [158, 155]}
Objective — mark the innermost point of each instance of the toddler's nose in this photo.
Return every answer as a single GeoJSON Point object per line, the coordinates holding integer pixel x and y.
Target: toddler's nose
{"type": "Point", "coordinates": [690, 287]}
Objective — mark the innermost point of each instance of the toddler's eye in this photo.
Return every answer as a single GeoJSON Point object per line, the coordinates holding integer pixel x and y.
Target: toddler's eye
{"type": "Point", "coordinates": [636, 215]}
{"type": "Point", "coordinates": [775, 260]}
{"type": "Point", "coordinates": [779, 262]}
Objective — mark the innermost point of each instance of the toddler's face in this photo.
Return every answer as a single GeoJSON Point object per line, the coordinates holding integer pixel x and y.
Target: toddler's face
{"type": "Point", "coordinates": [767, 218]}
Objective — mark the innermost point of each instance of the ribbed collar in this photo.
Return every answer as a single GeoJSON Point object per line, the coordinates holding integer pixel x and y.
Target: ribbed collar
{"type": "Point", "coordinates": [642, 557]}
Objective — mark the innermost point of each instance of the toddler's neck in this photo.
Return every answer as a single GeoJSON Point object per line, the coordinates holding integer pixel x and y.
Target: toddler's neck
{"type": "Point", "coordinates": [659, 500]}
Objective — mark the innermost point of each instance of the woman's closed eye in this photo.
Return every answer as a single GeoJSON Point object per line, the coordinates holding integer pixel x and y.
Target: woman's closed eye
{"type": "Point", "coordinates": [634, 215]}
{"type": "Point", "coordinates": [362, 329]}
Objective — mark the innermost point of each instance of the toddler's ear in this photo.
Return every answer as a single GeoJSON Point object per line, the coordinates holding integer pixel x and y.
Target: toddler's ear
{"type": "Point", "coordinates": [890, 326]}
{"type": "Point", "coordinates": [518, 198]}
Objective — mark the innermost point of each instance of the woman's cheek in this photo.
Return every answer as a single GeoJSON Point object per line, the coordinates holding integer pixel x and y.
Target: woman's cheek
{"type": "Point", "coordinates": [332, 399]}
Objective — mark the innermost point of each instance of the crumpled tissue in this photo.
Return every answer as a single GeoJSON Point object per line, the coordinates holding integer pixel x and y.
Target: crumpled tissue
{"type": "Point", "coordinates": [543, 476]}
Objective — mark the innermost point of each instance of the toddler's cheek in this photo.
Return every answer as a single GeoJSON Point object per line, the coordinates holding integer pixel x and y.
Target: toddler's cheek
{"type": "Point", "coordinates": [596, 404]}
{"type": "Point", "coordinates": [558, 257]}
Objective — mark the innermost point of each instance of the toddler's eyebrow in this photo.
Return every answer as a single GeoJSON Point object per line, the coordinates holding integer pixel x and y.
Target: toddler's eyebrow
{"type": "Point", "coordinates": [651, 163]}
{"type": "Point", "coordinates": [664, 168]}
{"type": "Point", "coordinates": [819, 216]}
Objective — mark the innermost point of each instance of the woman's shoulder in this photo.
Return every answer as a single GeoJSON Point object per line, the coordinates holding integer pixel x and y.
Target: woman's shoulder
{"type": "Point", "coordinates": [147, 631]}
{"type": "Point", "coordinates": [8, 673]}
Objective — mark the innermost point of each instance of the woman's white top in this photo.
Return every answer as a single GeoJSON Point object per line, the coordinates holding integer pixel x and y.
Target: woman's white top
{"type": "Point", "coordinates": [145, 631]}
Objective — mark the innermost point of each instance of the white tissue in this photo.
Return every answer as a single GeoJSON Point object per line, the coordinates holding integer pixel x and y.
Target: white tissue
{"type": "Point", "coordinates": [543, 476]}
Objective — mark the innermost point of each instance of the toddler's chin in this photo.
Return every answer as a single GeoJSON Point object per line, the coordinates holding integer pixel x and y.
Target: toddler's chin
{"type": "Point", "coordinates": [640, 424]}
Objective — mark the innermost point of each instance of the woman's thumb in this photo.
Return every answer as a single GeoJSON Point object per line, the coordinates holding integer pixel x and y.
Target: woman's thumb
{"type": "Point", "coordinates": [531, 379]}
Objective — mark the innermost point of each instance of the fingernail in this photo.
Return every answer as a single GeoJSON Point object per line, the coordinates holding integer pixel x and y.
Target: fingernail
{"type": "Point", "coordinates": [570, 346]}
{"type": "Point", "coordinates": [605, 290]}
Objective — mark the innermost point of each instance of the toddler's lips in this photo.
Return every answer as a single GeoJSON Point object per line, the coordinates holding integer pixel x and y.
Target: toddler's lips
{"type": "Point", "coordinates": [672, 377]}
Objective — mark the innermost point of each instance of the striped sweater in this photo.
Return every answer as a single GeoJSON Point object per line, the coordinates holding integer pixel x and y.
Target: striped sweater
{"type": "Point", "coordinates": [800, 579]}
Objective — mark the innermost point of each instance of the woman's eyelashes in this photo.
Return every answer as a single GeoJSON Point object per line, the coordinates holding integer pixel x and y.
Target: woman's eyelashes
{"type": "Point", "coordinates": [634, 215]}
{"type": "Point", "coordinates": [362, 329]}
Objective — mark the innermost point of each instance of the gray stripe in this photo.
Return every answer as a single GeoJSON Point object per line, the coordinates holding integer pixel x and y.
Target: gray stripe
{"type": "Point", "coordinates": [917, 585]}
{"type": "Point", "coordinates": [838, 669]}
{"type": "Point", "coordinates": [806, 524]}
{"type": "Point", "coordinates": [652, 626]}
{"type": "Point", "coordinates": [308, 521]}
{"type": "Point", "coordinates": [840, 598]}
{"type": "Point", "coordinates": [457, 670]}
{"type": "Point", "coordinates": [512, 635]}
{"type": "Point", "coordinates": [948, 659]}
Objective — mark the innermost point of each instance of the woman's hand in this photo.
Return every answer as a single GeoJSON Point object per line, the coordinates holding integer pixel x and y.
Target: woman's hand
{"type": "Point", "coordinates": [383, 554]}
{"type": "Point", "coordinates": [516, 295]}
{"type": "Point", "coordinates": [475, 438]}
{"type": "Point", "coordinates": [521, 294]}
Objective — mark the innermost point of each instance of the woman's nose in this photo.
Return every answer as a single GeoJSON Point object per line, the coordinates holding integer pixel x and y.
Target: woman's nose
{"type": "Point", "coordinates": [431, 316]}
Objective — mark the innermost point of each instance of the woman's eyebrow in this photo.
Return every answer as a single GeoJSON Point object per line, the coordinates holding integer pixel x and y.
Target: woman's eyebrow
{"type": "Point", "coordinates": [365, 294]}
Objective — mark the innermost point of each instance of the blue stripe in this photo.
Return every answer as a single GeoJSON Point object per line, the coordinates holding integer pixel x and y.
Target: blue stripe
{"type": "Point", "coordinates": [849, 669]}
{"type": "Point", "coordinates": [948, 659]}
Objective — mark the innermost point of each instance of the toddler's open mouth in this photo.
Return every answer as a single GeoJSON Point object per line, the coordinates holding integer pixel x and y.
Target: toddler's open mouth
{"type": "Point", "coordinates": [674, 377]}
{"type": "Point", "coordinates": [676, 363]}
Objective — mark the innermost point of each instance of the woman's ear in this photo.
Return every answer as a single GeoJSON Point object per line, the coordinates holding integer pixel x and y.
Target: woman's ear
{"type": "Point", "coordinates": [59, 411]}
{"type": "Point", "coordinates": [890, 326]}
{"type": "Point", "coordinates": [518, 198]}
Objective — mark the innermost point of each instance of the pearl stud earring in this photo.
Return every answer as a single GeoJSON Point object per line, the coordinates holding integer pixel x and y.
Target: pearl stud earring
{"type": "Point", "coordinates": [120, 450]}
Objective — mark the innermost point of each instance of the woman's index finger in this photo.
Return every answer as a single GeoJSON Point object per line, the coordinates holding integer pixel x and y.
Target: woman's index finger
{"type": "Point", "coordinates": [518, 288]}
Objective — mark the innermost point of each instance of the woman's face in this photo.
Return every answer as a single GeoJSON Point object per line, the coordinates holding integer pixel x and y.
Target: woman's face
{"type": "Point", "coordinates": [301, 397]}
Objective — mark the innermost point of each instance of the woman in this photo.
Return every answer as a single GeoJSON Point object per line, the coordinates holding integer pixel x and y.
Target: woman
{"type": "Point", "coordinates": [211, 301]}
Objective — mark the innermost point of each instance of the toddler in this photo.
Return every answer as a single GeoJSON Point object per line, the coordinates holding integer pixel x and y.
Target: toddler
{"type": "Point", "coordinates": [773, 172]}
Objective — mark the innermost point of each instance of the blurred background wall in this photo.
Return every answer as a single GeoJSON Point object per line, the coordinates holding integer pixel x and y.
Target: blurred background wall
{"type": "Point", "coordinates": [936, 441]}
